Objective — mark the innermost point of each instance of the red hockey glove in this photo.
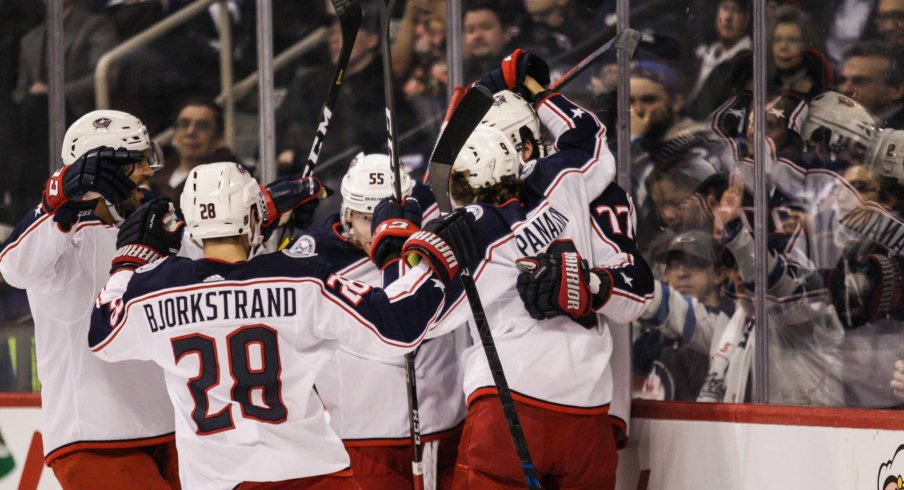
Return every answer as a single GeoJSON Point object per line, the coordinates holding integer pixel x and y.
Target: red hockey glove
{"type": "Point", "coordinates": [446, 243]}
{"type": "Point", "coordinates": [512, 72]}
{"type": "Point", "coordinates": [392, 225]}
{"type": "Point", "coordinates": [150, 233]}
{"type": "Point", "coordinates": [551, 284]}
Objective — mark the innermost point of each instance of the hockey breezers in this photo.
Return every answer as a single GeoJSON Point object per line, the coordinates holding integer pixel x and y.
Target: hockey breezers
{"type": "Point", "coordinates": [470, 111]}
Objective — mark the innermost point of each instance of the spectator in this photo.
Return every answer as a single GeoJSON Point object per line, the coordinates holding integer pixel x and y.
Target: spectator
{"type": "Point", "coordinates": [687, 311]}
{"type": "Point", "coordinates": [795, 59]}
{"type": "Point", "coordinates": [86, 37]}
{"type": "Point", "coordinates": [682, 153]}
{"type": "Point", "coordinates": [357, 119]}
{"type": "Point", "coordinates": [550, 28]}
{"type": "Point", "coordinates": [17, 17]}
{"type": "Point", "coordinates": [873, 75]}
{"type": "Point", "coordinates": [889, 21]}
{"type": "Point", "coordinates": [486, 36]}
{"type": "Point", "coordinates": [732, 37]}
{"type": "Point", "coordinates": [197, 139]}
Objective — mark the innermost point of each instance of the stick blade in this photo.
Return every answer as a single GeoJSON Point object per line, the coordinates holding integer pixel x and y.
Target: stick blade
{"type": "Point", "coordinates": [470, 111]}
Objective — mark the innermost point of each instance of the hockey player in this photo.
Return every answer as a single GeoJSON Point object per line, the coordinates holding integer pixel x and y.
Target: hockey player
{"type": "Point", "coordinates": [364, 396]}
{"type": "Point", "coordinates": [558, 370]}
{"type": "Point", "coordinates": [241, 338]}
{"type": "Point", "coordinates": [104, 427]}
{"type": "Point", "coordinates": [613, 226]}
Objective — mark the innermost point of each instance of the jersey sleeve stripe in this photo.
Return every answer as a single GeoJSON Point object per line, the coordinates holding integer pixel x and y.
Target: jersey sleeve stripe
{"type": "Point", "coordinates": [25, 233]}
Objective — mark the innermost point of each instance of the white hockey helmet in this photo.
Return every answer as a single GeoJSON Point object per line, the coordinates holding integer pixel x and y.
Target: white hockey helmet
{"type": "Point", "coordinates": [846, 120]}
{"type": "Point", "coordinates": [369, 180]}
{"type": "Point", "coordinates": [487, 156]}
{"type": "Point", "coordinates": [115, 129]}
{"type": "Point", "coordinates": [886, 156]}
{"type": "Point", "coordinates": [509, 113]}
{"type": "Point", "coordinates": [219, 200]}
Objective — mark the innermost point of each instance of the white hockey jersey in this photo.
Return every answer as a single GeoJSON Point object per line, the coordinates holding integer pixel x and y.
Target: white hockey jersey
{"type": "Point", "coordinates": [86, 403]}
{"type": "Point", "coordinates": [241, 345]}
{"type": "Point", "coordinates": [555, 364]}
{"type": "Point", "coordinates": [366, 397]}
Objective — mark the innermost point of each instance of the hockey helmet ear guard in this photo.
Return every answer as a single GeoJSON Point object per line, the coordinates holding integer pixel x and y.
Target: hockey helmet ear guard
{"type": "Point", "coordinates": [221, 200]}
{"type": "Point", "coordinates": [115, 129]}
{"type": "Point", "coordinates": [486, 158]}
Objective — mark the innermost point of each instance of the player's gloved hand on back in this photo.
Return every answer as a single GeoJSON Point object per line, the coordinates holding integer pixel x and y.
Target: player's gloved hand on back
{"type": "Point", "coordinates": [98, 171]}
{"type": "Point", "coordinates": [391, 225]}
{"type": "Point", "coordinates": [294, 199]}
{"type": "Point", "coordinates": [150, 233]}
{"type": "Point", "coordinates": [446, 243]}
{"type": "Point", "coordinates": [513, 70]}
{"type": "Point", "coordinates": [560, 282]}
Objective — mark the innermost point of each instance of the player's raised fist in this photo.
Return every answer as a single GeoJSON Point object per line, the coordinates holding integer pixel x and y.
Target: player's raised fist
{"type": "Point", "coordinates": [391, 225]}
{"type": "Point", "coordinates": [512, 71]}
{"type": "Point", "coordinates": [293, 198]}
{"type": "Point", "coordinates": [446, 243]}
{"type": "Point", "coordinates": [152, 232]}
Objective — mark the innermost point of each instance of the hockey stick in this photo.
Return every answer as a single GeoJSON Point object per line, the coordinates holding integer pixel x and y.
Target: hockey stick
{"type": "Point", "coordinates": [349, 14]}
{"type": "Point", "coordinates": [626, 40]}
{"type": "Point", "coordinates": [414, 423]}
{"type": "Point", "coordinates": [470, 111]}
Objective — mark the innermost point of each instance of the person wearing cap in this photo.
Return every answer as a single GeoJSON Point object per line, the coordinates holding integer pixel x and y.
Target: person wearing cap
{"type": "Point", "coordinates": [677, 328]}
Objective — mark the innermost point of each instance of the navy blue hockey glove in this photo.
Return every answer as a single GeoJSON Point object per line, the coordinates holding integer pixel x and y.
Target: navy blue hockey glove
{"type": "Point", "coordinates": [294, 199]}
{"type": "Point", "coordinates": [560, 282]}
{"type": "Point", "coordinates": [446, 243]}
{"type": "Point", "coordinates": [512, 71]}
{"type": "Point", "coordinates": [392, 225]}
{"type": "Point", "coordinates": [150, 233]}
{"type": "Point", "coordinates": [99, 171]}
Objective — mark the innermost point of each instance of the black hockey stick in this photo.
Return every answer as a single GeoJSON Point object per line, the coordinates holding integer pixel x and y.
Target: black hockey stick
{"type": "Point", "coordinates": [470, 111]}
{"type": "Point", "coordinates": [349, 14]}
{"type": "Point", "coordinates": [414, 423]}
{"type": "Point", "coordinates": [627, 40]}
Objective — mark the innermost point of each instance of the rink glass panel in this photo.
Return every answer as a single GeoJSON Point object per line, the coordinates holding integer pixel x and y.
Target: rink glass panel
{"type": "Point", "coordinates": [814, 357]}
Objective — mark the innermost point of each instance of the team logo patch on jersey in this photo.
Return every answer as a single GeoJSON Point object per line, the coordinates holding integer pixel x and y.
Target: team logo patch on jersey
{"type": "Point", "coordinates": [476, 210]}
{"type": "Point", "coordinates": [149, 266]}
{"type": "Point", "coordinates": [528, 168]}
{"type": "Point", "coordinates": [303, 247]}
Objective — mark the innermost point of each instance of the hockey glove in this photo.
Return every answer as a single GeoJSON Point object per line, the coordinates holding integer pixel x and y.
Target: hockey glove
{"type": "Point", "coordinates": [295, 199]}
{"type": "Point", "coordinates": [446, 243]}
{"type": "Point", "coordinates": [392, 224]}
{"type": "Point", "coordinates": [868, 288]}
{"type": "Point", "coordinates": [558, 282]}
{"type": "Point", "coordinates": [512, 71]}
{"type": "Point", "coordinates": [97, 171]}
{"type": "Point", "coordinates": [150, 233]}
